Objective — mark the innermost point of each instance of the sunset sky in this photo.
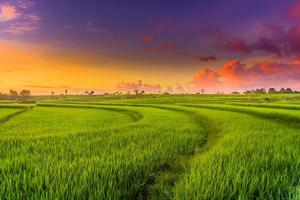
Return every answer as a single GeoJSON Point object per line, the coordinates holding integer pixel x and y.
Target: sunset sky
{"type": "Point", "coordinates": [175, 46]}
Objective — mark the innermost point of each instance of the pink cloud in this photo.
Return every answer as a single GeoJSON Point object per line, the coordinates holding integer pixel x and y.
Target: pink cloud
{"type": "Point", "coordinates": [236, 76]}
{"type": "Point", "coordinates": [235, 45]}
{"type": "Point", "coordinates": [294, 11]}
{"type": "Point", "coordinates": [25, 4]}
{"type": "Point", "coordinates": [269, 46]}
{"type": "Point", "coordinates": [19, 17]}
{"type": "Point", "coordinates": [205, 58]}
{"type": "Point", "coordinates": [132, 86]}
{"type": "Point", "coordinates": [294, 39]}
{"type": "Point", "coordinates": [8, 13]}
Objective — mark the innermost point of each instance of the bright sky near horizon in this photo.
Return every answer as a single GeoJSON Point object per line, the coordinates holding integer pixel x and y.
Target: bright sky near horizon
{"type": "Point", "coordinates": [174, 46]}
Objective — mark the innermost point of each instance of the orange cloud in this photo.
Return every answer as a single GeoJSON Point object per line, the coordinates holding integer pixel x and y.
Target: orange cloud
{"type": "Point", "coordinates": [233, 72]}
{"type": "Point", "coordinates": [236, 76]}
{"type": "Point", "coordinates": [206, 78]}
{"type": "Point", "coordinates": [8, 13]}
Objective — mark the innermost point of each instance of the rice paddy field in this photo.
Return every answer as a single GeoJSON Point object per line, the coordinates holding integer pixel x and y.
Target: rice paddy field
{"type": "Point", "coordinates": [151, 147]}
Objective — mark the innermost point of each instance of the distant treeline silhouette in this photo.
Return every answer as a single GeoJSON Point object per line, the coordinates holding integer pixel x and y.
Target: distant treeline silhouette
{"type": "Point", "coordinates": [270, 91]}
{"type": "Point", "coordinates": [23, 95]}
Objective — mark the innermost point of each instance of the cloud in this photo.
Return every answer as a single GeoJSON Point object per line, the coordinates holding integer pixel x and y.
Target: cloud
{"type": "Point", "coordinates": [147, 37]}
{"type": "Point", "coordinates": [234, 75]}
{"type": "Point", "coordinates": [25, 4]}
{"type": "Point", "coordinates": [294, 12]}
{"type": "Point", "coordinates": [8, 13]}
{"type": "Point", "coordinates": [268, 45]}
{"type": "Point", "coordinates": [294, 39]}
{"type": "Point", "coordinates": [22, 27]}
{"type": "Point", "coordinates": [206, 78]}
{"type": "Point", "coordinates": [139, 85]}
{"type": "Point", "coordinates": [166, 46]}
{"type": "Point", "coordinates": [19, 17]}
{"type": "Point", "coordinates": [233, 72]}
{"type": "Point", "coordinates": [235, 45]}
{"type": "Point", "coordinates": [276, 41]}
{"type": "Point", "coordinates": [205, 58]}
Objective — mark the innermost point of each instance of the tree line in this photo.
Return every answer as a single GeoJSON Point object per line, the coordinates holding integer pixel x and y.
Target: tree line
{"type": "Point", "coordinates": [269, 91]}
{"type": "Point", "coordinates": [22, 95]}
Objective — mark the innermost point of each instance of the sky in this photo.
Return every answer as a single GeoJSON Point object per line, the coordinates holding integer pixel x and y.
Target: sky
{"type": "Point", "coordinates": [156, 46]}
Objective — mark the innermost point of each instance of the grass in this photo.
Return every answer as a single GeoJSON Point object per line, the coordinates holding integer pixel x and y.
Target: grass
{"type": "Point", "coordinates": [255, 159]}
{"type": "Point", "coordinates": [51, 154]}
{"type": "Point", "coordinates": [151, 147]}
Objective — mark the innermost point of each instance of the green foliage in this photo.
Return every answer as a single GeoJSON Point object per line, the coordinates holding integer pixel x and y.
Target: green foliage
{"type": "Point", "coordinates": [151, 146]}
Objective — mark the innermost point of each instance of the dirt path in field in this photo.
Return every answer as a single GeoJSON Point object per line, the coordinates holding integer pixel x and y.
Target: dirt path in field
{"type": "Point", "coordinates": [9, 117]}
{"type": "Point", "coordinates": [160, 187]}
{"type": "Point", "coordinates": [171, 172]}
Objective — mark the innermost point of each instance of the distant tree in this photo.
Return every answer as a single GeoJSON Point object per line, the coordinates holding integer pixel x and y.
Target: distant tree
{"type": "Point", "coordinates": [288, 90]}
{"type": "Point", "coordinates": [282, 91]}
{"type": "Point", "coordinates": [263, 91]}
{"type": "Point", "coordinates": [142, 92]}
{"type": "Point", "coordinates": [13, 94]}
{"type": "Point", "coordinates": [260, 91]}
{"type": "Point", "coordinates": [91, 93]}
{"type": "Point", "coordinates": [136, 92]}
{"type": "Point", "coordinates": [66, 92]}
{"type": "Point", "coordinates": [247, 92]}
{"type": "Point", "coordinates": [24, 94]}
{"type": "Point", "coordinates": [250, 92]}
{"type": "Point", "coordinates": [235, 93]}
{"type": "Point", "coordinates": [202, 91]}
{"type": "Point", "coordinates": [272, 91]}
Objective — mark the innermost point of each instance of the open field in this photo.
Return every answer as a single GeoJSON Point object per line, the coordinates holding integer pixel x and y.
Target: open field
{"type": "Point", "coordinates": [151, 147]}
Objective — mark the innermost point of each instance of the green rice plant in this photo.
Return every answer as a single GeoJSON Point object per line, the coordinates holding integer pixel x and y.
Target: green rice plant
{"type": "Point", "coordinates": [151, 147]}
{"type": "Point", "coordinates": [76, 153]}
{"type": "Point", "coordinates": [254, 159]}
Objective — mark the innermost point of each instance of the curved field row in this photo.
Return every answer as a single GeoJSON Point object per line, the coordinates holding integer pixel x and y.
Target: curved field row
{"type": "Point", "coordinates": [8, 112]}
{"type": "Point", "coordinates": [132, 149]}
{"type": "Point", "coordinates": [268, 105]}
{"type": "Point", "coordinates": [276, 175]}
{"type": "Point", "coordinates": [67, 153]}
{"type": "Point", "coordinates": [287, 117]}
{"type": "Point", "coordinates": [255, 159]}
